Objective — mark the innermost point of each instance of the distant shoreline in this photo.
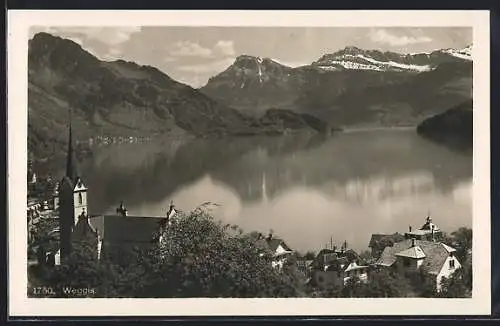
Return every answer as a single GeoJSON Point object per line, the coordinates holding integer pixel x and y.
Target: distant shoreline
{"type": "Point", "coordinates": [367, 129]}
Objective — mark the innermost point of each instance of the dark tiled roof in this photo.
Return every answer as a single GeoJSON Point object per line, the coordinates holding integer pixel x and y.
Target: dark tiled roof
{"type": "Point", "coordinates": [82, 229]}
{"type": "Point", "coordinates": [436, 254]}
{"type": "Point", "coordinates": [335, 258]}
{"type": "Point", "coordinates": [274, 243]}
{"type": "Point", "coordinates": [117, 228]}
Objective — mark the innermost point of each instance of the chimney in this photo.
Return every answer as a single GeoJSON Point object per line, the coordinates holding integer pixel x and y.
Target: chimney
{"type": "Point", "coordinates": [432, 232]}
{"type": "Point", "coordinates": [270, 236]}
{"type": "Point", "coordinates": [409, 229]}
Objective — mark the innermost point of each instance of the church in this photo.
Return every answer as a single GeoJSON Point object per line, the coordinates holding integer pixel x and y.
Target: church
{"type": "Point", "coordinates": [105, 234]}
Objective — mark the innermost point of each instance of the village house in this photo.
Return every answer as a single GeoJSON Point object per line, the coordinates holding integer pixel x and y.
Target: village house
{"type": "Point", "coordinates": [333, 268]}
{"type": "Point", "coordinates": [436, 259]}
{"type": "Point", "coordinates": [429, 231]}
{"type": "Point", "coordinates": [279, 250]}
{"type": "Point", "coordinates": [305, 267]}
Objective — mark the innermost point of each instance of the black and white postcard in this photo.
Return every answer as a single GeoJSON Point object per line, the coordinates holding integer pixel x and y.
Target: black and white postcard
{"type": "Point", "coordinates": [248, 163]}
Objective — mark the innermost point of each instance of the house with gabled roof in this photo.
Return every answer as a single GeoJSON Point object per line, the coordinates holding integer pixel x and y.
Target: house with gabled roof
{"type": "Point", "coordinates": [277, 248]}
{"type": "Point", "coordinates": [436, 259]}
{"type": "Point", "coordinates": [334, 268]}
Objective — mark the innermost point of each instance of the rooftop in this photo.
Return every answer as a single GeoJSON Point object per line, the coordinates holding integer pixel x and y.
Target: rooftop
{"type": "Point", "coordinates": [118, 228]}
{"type": "Point", "coordinates": [435, 253]}
{"type": "Point", "coordinates": [272, 244]}
{"type": "Point", "coordinates": [413, 252]}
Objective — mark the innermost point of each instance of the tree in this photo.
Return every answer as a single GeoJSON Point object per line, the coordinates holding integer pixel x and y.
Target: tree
{"type": "Point", "coordinates": [463, 242]}
{"type": "Point", "coordinates": [382, 283]}
{"type": "Point", "coordinates": [308, 255]}
{"type": "Point", "coordinates": [82, 275]}
{"type": "Point", "coordinates": [386, 241]}
{"type": "Point", "coordinates": [199, 257]}
{"type": "Point", "coordinates": [194, 257]}
{"type": "Point", "coordinates": [366, 255]}
{"type": "Point", "coordinates": [455, 286]}
{"type": "Point", "coordinates": [423, 284]}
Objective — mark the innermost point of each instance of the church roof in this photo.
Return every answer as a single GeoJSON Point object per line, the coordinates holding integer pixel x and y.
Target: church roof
{"type": "Point", "coordinates": [121, 229]}
{"type": "Point", "coordinates": [83, 228]}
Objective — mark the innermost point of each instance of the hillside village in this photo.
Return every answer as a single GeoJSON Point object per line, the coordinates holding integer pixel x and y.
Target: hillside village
{"type": "Point", "coordinates": [64, 217]}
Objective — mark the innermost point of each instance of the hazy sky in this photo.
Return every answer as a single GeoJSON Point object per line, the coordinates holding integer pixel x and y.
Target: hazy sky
{"type": "Point", "coordinates": [193, 54]}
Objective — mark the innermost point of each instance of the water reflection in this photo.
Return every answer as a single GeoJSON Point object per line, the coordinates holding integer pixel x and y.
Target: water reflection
{"type": "Point", "coordinates": [305, 188]}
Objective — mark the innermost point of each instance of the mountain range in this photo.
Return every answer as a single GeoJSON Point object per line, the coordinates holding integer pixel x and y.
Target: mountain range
{"type": "Point", "coordinates": [350, 86]}
{"type": "Point", "coordinates": [252, 96]}
{"type": "Point", "coordinates": [120, 98]}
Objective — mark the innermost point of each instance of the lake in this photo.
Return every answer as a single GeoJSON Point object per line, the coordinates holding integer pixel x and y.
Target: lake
{"type": "Point", "coordinates": [305, 188]}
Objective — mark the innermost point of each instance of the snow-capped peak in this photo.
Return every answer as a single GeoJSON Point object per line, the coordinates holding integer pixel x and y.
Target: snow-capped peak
{"type": "Point", "coordinates": [357, 59]}
{"type": "Point", "coordinates": [465, 53]}
{"type": "Point", "coordinates": [365, 62]}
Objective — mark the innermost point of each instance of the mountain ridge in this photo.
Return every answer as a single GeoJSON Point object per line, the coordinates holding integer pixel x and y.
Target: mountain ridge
{"type": "Point", "coordinates": [254, 84]}
{"type": "Point", "coordinates": [116, 98]}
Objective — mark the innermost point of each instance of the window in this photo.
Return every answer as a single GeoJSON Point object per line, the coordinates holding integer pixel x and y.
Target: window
{"type": "Point", "coordinates": [80, 198]}
{"type": "Point", "coordinates": [452, 263]}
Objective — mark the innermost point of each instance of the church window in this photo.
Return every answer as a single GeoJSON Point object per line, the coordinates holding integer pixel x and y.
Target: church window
{"type": "Point", "coordinates": [80, 198]}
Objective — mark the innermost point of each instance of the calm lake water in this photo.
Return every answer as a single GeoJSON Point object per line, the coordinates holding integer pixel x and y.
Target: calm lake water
{"type": "Point", "coordinates": [305, 188]}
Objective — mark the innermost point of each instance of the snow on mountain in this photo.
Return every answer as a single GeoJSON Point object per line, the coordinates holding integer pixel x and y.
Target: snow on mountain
{"type": "Point", "coordinates": [363, 62]}
{"type": "Point", "coordinates": [248, 70]}
{"type": "Point", "coordinates": [465, 53]}
{"type": "Point", "coordinates": [393, 64]}
{"type": "Point", "coordinates": [357, 59]}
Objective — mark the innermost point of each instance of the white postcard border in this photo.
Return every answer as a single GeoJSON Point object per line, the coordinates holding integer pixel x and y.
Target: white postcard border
{"type": "Point", "coordinates": [17, 46]}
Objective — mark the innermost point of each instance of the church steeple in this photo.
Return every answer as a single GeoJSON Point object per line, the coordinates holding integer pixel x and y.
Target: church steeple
{"type": "Point", "coordinates": [71, 162]}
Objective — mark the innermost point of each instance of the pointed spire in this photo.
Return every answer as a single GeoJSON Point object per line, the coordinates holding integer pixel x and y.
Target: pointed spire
{"type": "Point", "coordinates": [71, 163]}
